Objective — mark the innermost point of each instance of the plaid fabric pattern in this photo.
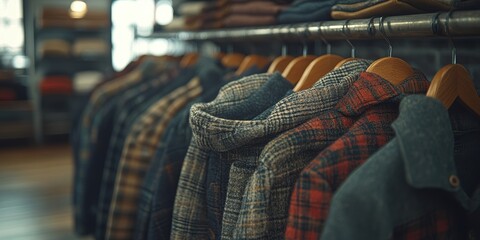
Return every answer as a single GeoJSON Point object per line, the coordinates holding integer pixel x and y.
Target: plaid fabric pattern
{"type": "Point", "coordinates": [404, 190]}
{"type": "Point", "coordinates": [367, 112]}
{"type": "Point", "coordinates": [150, 181]}
{"type": "Point", "coordinates": [137, 155]}
{"type": "Point", "coordinates": [438, 224]}
{"type": "Point", "coordinates": [164, 196]}
{"type": "Point", "coordinates": [190, 188]}
{"type": "Point", "coordinates": [211, 132]}
{"type": "Point", "coordinates": [311, 102]}
{"type": "Point", "coordinates": [129, 101]}
{"type": "Point", "coordinates": [127, 109]}
{"type": "Point", "coordinates": [97, 100]}
{"type": "Point", "coordinates": [128, 113]}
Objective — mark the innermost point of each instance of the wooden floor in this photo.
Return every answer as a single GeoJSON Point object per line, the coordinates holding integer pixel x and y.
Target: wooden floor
{"type": "Point", "coordinates": [35, 193]}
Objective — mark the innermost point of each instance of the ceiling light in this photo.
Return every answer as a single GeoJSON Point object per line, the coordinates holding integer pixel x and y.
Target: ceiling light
{"type": "Point", "coordinates": [78, 9]}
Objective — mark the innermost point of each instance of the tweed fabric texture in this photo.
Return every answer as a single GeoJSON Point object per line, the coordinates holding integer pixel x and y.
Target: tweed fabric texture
{"type": "Point", "coordinates": [165, 179]}
{"type": "Point", "coordinates": [241, 97]}
{"type": "Point", "coordinates": [321, 97]}
{"type": "Point", "coordinates": [233, 138]}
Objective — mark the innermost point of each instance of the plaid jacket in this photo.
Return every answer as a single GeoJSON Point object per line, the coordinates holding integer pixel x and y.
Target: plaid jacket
{"type": "Point", "coordinates": [155, 214]}
{"type": "Point", "coordinates": [421, 185]}
{"type": "Point", "coordinates": [87, 136]}
{"type": "Point", "coordinates": [326, 92]}
{"type": "Point", "coordinates": [127, 114]}
{"type": "Point", "coordinates": [232, 138]}
{"type": "Point", "coordinates": [138, 152]}
{"type": "Point", "coordinates": [364, 115]}
{"type": "Point", "coordinates": [248, 90]}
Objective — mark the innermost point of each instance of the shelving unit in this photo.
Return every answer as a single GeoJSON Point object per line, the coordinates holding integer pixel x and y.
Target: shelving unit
{"type": "Point", "coordinates": [16, 119]}
{"type": "Point", "coordinates": [53, 112]}
{"type": "Point", "coordinates": [56, 120]}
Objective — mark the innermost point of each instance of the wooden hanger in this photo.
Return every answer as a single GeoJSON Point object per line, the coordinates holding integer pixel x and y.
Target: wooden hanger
{"type": "Point", "coordinates": [280, 63]}
{"type": "Point", "coordinates": [451, 82]}
{"type": "Point", "coordinates": [392, 69]}
{"type": "Point", "coordinates": [250, 61]}
{"type": "Point", "coordinates": [189, 59]}
{"type": "Point", "coordinates": [454, 81]}
{"type": "Point", "coordinates": [294, 70]}
{"type": "Point", "coordinates": [316, 70]}
{"type": "Point", "coordinates": [232, 60]}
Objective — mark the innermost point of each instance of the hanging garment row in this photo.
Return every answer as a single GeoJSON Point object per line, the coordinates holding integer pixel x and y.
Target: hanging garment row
{"type": "Point", "coordinates": [310, 147]}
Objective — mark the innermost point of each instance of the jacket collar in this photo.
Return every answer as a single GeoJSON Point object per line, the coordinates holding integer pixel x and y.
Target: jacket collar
{"type": "Point", "coordinates": [425, 131]}
{"type": "Point", "coordinates": [216, 126]}
{"type": "Point", "coordinates": [371, 89]}
{"type": "Point", "coordinates": [426, 140]}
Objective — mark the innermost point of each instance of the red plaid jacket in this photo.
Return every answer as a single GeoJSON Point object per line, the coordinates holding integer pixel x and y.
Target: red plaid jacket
{"type": "Point", "coordinates": [368, 109]}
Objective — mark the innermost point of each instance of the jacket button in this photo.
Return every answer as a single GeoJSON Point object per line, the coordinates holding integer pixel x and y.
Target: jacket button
{"type": "Point", "coordinates": [454, 181]}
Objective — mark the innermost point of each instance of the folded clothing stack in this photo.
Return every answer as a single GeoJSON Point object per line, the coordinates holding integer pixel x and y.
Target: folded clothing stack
{"type": "Point", "coordinates": [60, 17]}
{"type": "Point", "coordinates": [90, 47]}
{"type": "Point", "coordinates": [230, 13]}
{"type": "Point", "coordinates": [11, 90]}
{"type": "Point", "coordinates": [306, 11]}
{"type": "Point", "coordinates": [202, 15]}
{"type": "Point", "coordinates": [85, 81]}
{"type": "Point", "coordinates": [54, 47]}
{"type": "Point", "coordinates": [252, 13]}
{"type": "Point", "coordinates": [353, 9]}
{"type": "Point", "coordinates": [56, 84]}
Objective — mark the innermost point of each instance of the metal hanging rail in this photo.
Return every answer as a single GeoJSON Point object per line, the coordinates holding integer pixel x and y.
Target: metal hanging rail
{"type": "Point", "coordinates": [461, 24]}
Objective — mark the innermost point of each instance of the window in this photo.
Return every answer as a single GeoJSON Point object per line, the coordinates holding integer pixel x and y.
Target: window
{"type": "Point", "coordinates": [130, 31]}
{"type": "Point", "coordinates": [12, 34]}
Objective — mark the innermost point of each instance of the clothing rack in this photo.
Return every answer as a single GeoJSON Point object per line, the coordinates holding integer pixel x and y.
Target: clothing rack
{"type": "Point", "coordinates": [461, 24]}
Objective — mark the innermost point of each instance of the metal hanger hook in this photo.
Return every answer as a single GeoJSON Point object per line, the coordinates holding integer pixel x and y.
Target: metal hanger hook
{"type": "Point", "coordinates": [284, 49]}
{"type": "Point", "coordinates": [384, 35]}
{"type": "Point", "coordinates": [371, 27]}
{"type": "Point", "coordinates": [327, 44]}
{"type": "Point", "coordinates": [305, 48]}
{"type": "Point", "coordinates": [305, 34]}
{"type": "Point", "coordinates": [435, 23]}
{"type": "Point", "coordinates": [447, 31]}
{"type": "Point", "coordinates": [345, 31]}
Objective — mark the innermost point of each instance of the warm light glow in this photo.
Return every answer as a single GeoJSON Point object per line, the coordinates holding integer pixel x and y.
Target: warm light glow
{"type": "Point", "coordinates": [78, 9]}
{"type": "Point", "coordinates": [163, 13]}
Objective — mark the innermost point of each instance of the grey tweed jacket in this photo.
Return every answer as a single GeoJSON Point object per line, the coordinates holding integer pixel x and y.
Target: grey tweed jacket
{"type": "Point", "coordinates": [238, 141]}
